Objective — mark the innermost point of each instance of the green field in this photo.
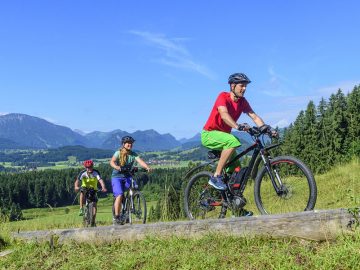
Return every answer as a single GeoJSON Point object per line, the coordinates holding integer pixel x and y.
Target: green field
{"type": "Point", "coordinates": [339, 188]}
{"type": "Point", "coordinates": [159, 159]}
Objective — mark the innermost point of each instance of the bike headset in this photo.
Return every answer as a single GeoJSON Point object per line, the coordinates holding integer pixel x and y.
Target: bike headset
{"type": "Point", "coordinates": [237, 78]}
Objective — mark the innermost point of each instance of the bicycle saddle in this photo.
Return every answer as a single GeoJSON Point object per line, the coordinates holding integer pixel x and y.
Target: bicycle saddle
{"type": "Point", "coordinates": [213, 154]}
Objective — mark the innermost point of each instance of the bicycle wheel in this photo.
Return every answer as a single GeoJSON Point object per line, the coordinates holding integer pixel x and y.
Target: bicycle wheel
{"type": "Point", "coordinates": [202, 201]}
{"type": "Point", "coordinates": [137, 212]}
{"type": "Point", "coordinates": [86, 216]}
{"type": "Point", "coordinates": [89, 218]}
{"type": "Point", "coordinates": [296, 184]}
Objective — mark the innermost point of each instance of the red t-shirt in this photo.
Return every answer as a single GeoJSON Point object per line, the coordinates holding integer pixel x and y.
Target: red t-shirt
{"type": "Point", "coordinates": [234, 108]}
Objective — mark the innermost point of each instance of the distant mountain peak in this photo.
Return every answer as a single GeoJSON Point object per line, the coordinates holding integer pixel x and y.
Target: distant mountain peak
{"type": "Point", "coordinates": [80, 132]}
{"type": "Point", "coordinates": [35, 132]}
{"type": "Point", "coordinates": [22, 130]}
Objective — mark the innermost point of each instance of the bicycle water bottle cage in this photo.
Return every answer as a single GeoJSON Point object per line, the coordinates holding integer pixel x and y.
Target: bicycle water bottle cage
{"type": "Point", "coordinates": [213, 154]}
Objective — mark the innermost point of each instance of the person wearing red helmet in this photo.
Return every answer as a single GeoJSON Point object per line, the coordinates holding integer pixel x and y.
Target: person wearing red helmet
{"type": "Point", "coordinates": [122, 161]}
{"type": "Point", "coordinates": [89, 178]}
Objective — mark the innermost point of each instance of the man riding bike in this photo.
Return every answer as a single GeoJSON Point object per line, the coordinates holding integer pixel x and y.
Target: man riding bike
{"type": "Point", "coordinates": [223, 117]}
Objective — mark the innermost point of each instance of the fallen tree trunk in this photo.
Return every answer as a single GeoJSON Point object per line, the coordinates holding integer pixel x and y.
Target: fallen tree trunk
{"type": "Point", "coordinates": [312, 225]}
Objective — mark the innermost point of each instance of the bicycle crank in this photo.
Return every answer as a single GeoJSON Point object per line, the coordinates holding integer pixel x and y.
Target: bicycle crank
{"type": "Point", "coordinates": [238, 202]}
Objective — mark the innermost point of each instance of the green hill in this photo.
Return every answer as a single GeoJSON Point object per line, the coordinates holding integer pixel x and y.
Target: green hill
{"type": "Point", "coordinates": [338, 188]}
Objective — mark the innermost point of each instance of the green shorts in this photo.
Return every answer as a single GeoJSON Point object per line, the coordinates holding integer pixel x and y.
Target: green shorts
{"type": "Point", "coordinates": [218, 140]}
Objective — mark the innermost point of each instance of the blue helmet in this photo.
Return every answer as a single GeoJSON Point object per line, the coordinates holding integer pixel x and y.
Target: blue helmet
{"type": "Point", "coordinates": [238, 78]}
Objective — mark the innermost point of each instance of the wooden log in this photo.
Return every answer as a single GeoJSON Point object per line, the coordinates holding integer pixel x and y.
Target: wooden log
{"type": "Point", "coordinates": [312, 225]}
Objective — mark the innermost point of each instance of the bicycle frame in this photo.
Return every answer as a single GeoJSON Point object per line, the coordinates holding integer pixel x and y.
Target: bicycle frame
{"type": "Point", "coordinates": [128, 206]}
{"type": "Point", "coordinates": [128, 196]}
{"type": "Point", "coordinates": [258, 148]}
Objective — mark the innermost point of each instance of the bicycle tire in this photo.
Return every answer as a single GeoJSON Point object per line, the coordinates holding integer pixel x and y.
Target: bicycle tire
{"type": "Point", "coordinates": [92, 215]}
{"type": "Point", "coordinates": [86, 216]}
{"type": "Point", "coordinates": [89, 218]}
{"type": "Point", "coordinates": [202, 201]}
{"type": "Point", "coordinates": [299, 186]}
{"type": "Point", "coordinates": [137, 214]}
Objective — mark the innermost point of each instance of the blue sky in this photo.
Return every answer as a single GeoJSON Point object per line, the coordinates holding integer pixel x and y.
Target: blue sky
{"type": "Point", "coordinates": [138, 65]}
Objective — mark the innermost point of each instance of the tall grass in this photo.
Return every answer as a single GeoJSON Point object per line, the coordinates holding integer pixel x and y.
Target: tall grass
{"type": "Point", "coordinates": [208, 252]}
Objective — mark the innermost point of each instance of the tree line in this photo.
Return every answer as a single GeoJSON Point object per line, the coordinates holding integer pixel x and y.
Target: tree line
{"type": "Point", "coordinates": [326, 134]}
{"type": "Point", "coordinates": [55, 188]}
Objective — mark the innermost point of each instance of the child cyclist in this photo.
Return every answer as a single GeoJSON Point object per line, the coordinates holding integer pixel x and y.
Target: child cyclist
{"type": "Point", "coordinates": [122, 161]}
{"type": "Point", "coordinates": [89, 178]}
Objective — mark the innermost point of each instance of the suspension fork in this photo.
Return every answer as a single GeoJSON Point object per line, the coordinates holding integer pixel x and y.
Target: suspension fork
{"type": "Point", "coordinates": [272, 172]}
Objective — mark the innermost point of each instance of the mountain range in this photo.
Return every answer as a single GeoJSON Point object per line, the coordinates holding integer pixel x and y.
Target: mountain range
{"type": "Point", "coordinates": [21, 131]}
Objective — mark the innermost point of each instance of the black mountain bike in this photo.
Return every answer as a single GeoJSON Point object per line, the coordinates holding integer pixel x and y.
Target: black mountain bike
{"type": "Point", "coordinates": [284, 184]}
{"type": "Point", "coordinates": [133, 204]}
{"type": "Point", "coordinates": [89, 210]}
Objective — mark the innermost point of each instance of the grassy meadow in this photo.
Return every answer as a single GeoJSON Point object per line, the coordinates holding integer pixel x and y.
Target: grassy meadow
{"type": "Point", "coordinates": [338, 188]}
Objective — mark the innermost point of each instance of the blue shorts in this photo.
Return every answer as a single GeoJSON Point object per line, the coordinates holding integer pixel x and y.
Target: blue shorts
{"type": "Point", "coordinates": [120, 185]}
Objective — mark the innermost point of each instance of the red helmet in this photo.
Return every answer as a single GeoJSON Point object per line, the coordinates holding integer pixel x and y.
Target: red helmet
{"type": "Point", "coordinates": [88, 163]}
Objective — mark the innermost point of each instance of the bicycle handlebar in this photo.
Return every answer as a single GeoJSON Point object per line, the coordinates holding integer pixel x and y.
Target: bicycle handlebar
{"type": "Point", "coordinates": [132, 170]}
{"type": "Point", "coordinates": [91, 188]}
{"type": "Point", "coordinates": [267, 130]}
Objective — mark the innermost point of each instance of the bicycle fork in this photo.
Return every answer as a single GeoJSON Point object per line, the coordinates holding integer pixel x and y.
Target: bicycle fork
{"type": "Point", "coordinates": [276, 181]}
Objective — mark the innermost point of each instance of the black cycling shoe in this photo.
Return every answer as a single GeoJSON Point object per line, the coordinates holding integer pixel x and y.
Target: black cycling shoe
{"type": "Point", "coordinates": [117, 221]}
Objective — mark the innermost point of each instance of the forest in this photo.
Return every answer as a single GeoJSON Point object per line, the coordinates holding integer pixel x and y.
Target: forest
{"type": "Point", "coordinates": [322, 136]}
{"type": "Point", "coordinates": [326, 134]}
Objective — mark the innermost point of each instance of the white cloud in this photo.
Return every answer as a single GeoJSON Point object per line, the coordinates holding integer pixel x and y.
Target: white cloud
{"type": "Point", "coordinates": [346, 87]}
{"type": "Point", "coordinates": [4, 113]}
{"type": "Point", "coordinates": [175, 54]}
{"type": "Point", "coordinates": [298, 103]}
{"type": "Point", "coordinates": [281, 118]}
{"type": "Point", "coordinates": [277, 85]}
{"type": "Point", "coordinates": [281, 123]}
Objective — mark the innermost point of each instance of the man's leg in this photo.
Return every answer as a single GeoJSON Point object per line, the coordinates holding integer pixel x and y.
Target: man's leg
{"type": "Point", "coordinates": [225, 142]}
{"type": "Point", "coordinates": [224, 157]}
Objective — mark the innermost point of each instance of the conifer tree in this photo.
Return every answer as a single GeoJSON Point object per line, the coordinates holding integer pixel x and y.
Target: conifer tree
{"type": "Point", "coordinates": [310, 136]}
{"type": "Point", "coordinates": [323, 150]}
{"type": "Point", "coordinates": [353, 116]}
{"type": "Point", "coordinates": [338, 126]}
